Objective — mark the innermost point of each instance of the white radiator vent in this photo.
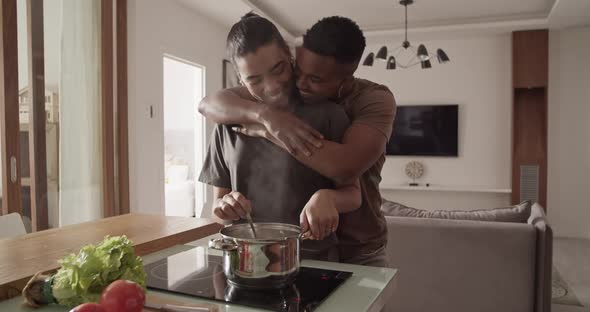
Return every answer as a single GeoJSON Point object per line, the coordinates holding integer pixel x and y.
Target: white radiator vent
{"type": "Point", "coordinates": [529, 183]}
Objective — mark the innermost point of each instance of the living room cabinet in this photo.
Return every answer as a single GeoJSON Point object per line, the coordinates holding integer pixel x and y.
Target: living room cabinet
{"type": "Point", "coordinates": [529, 116]}
{"type": "Point", "coordinates": [530, 58]}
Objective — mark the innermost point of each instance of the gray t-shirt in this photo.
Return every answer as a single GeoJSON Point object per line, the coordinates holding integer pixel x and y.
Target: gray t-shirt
{"type": "Point", "coordinates": [278, 185]}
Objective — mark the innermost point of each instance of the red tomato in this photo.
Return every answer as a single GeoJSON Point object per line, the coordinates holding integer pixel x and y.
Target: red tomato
{"type": "Point", "coordinates": [88, 307]}
{"type": "Point", "coordinates": [123, 296]}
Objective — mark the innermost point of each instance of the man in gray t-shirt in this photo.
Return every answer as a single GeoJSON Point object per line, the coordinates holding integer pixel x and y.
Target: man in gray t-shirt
{"type": "Point", "coordinates": [277, 185]}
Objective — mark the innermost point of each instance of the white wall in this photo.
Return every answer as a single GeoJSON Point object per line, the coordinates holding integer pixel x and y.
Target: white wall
{"type": "Point", "coordinates": [569, 132]}
{"type": "Point", "coordinates": [478, 78]}
{"type": "Point", "coordinates": [158, 27]}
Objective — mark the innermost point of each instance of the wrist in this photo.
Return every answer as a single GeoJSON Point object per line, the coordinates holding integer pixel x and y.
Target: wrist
{"type": "Point", "coordinates": [324, 197]}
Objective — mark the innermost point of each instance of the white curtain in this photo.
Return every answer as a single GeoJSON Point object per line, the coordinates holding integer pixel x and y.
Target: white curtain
{"type": "Point", "coordinates": [80, 157]}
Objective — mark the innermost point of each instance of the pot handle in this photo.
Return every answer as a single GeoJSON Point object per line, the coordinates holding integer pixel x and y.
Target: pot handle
{"type": "Point", "coordinates": [223, 244]}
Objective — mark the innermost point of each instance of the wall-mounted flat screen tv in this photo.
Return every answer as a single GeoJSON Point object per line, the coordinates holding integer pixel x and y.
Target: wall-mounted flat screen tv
{"type": "Point", "coordinates": [425, 130]}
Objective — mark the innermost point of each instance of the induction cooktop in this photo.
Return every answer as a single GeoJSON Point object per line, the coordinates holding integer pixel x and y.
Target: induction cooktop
{"type": "Point", "coordinates": [196, 273]}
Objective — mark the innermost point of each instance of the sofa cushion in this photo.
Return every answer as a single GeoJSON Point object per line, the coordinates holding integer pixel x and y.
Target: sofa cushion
{"type": "Point", "coordinates": [516, 213]}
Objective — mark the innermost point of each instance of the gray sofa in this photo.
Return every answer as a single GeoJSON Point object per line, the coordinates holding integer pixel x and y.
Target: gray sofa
{"type": "Point", "coordinates": [448, 265]}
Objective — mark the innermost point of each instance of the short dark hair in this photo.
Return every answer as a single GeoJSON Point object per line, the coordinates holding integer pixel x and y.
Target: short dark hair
{"type": "Point", "coordinates": [338, 37]}
{"type": "Point", "coordinates": [250, 33]}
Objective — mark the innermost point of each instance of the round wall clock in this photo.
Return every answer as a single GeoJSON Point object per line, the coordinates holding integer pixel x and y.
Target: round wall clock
{"type": "Point", "coordinates": [414, 170]}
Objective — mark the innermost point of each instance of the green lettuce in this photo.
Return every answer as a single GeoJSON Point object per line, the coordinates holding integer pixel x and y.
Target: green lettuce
{"type": "Point", "coordinates": [82, 277]}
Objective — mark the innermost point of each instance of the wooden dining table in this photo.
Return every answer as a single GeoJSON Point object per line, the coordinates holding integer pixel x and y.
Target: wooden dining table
{"type": "Point", "coordinates": [23, 256]}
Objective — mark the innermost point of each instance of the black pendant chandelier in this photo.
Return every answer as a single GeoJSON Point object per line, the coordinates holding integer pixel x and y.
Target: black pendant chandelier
{"type": "Point", "coordinates": [419, 56]}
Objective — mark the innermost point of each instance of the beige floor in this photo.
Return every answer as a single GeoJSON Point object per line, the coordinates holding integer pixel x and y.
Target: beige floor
{"type": "Point", "coordinates": [571, 257]}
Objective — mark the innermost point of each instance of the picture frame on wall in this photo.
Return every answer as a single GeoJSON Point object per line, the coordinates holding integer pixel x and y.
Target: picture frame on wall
{"type": "Point", "coordinates": [230, 77]}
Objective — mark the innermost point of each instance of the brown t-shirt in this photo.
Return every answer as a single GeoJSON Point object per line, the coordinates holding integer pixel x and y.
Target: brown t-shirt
{"type": "Point", "coordinates": [364, 230]}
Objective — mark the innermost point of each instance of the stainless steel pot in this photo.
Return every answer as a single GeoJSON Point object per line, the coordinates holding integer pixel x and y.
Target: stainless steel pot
{"type": "Point", "coordinates": [271, 260]}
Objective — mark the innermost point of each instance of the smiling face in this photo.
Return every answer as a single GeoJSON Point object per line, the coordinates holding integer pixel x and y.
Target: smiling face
{"type": "Point", "coordinates": [267, 73]}
{"type": "Point", "coordinates": [318, 76]}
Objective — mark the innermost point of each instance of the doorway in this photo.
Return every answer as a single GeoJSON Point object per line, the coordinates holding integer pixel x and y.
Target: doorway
{"type": "Point", "coordinates": [184, 130]}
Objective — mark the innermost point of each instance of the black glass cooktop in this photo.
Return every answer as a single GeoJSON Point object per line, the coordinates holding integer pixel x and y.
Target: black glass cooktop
{"type": "Point", "coordinates": [194, 272]}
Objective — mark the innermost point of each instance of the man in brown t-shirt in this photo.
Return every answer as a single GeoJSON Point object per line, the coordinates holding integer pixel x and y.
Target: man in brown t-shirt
{"type": "Point", "coordinates": [325, 65]}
